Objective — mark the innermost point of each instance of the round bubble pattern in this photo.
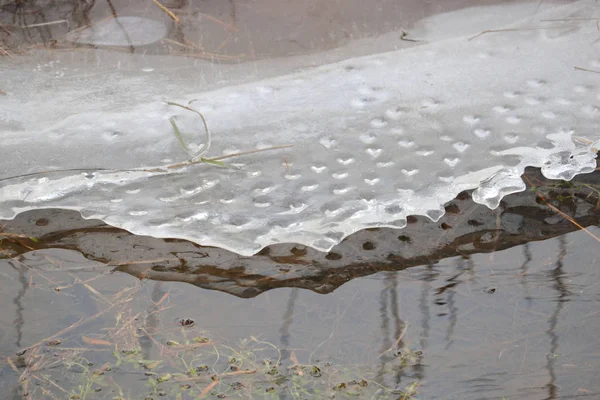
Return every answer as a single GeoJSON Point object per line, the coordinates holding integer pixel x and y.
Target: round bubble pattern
{"type": "Point", "coordinates": [374, 139]}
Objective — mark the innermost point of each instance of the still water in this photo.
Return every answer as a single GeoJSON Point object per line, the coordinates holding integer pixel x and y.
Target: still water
{"type": "Point", "coordinates": [520, 323]}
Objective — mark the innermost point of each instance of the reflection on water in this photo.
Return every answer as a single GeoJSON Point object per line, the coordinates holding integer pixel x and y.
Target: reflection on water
{"type": "Point", "coordinates": [519, 323]}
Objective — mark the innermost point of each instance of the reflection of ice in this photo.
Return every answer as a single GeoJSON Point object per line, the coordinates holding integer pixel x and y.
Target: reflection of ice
{"type": "Point", "coordinates": [120, 31]}
{"type": "Point", "coordinates": [375, 138]}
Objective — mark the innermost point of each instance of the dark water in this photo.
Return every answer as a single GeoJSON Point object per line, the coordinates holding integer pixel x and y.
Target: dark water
{"type": "Point", "coordinates": [520, 323]}
{"type": "Point", "coordinates": [462, 312]}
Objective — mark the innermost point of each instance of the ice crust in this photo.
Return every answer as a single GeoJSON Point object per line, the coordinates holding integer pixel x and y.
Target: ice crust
{"type": "Point", "coordinates": [120, 31]}
{"type": "Point", "coordinates": [375, 138]}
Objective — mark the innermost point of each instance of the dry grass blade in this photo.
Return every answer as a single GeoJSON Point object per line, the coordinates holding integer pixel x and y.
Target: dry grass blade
{"type": "Point", "coordinates": [13, 235]}
{"type": "Point", "coordinates": [5, 52]}
{"type": "Point", "coordinates": [208, 388]}
{"type": "Point", "coordinates": [220, 376]}
{"type": "Point", "coordinates": [97, 293]}
{"type": "Point", "coordinates": [244, 153]}
{"type": "Point", "coordinates": [126, 324]}
{"type": "Point", "coordinates": [156, 260]}
{"type": "Point", "coordinates": [571, 220]}
{"type": "Point", "coordinates": [95, 342]}
{"type": "Point", "coordinates": [218, 21]}
{"type": "Point", "coordinates": [587, 70]}
{"type": "Point", "coordinates": [514, 30]}
{"type": "Point", "coordinates": [178, 347]}
{"type": "Point", "coordinates": [215, 56]}
{"type": "Point", "coordinates": [12, 365]}
{"type": "Point", "coordinates": [187, 46]}
{"type": "Point", "coordinates": [62, 21]}
{"type": "Point", "coordinates": [77, 324]}
{"type": "Point", "coordinates": [45, 379]}
{"type": "Point", "coordinates": [167, 11]}
{"type": "Point", "coordinates": [575, 19]}
{"type": "Point", "coordinates": [568, 218]}
{"type": "Point", "coordinates": [294, 359]}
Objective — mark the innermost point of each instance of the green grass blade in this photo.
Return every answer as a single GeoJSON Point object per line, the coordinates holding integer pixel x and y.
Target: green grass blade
{"type": "Point", "coordinates": [213, 162]}
{"type": "Point", "coordinates": [178, 135]}
{"type": "Point", "coordinates": [205, 146]}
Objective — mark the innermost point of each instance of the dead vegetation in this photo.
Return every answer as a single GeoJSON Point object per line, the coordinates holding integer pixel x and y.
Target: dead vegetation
{"type": "Point", "coordinates": [41, 24]}
{"type": "Point", "coordinates": [97, 356]}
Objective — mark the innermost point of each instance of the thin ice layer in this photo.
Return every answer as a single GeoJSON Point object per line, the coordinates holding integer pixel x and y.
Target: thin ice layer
{"type": "Point", "coordinates": [375, 138]}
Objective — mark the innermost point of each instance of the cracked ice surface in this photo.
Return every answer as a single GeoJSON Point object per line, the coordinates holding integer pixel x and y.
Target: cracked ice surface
{"type": "Point", "coordinates": [375, 138]}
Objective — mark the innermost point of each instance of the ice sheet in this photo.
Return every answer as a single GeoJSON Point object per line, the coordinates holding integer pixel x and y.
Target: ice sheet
{"type": "Point", "coordinates": [375, 138]}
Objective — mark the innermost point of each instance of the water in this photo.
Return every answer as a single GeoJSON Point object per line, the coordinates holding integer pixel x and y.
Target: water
{"type": "Point", "coordinates": [520, 323]}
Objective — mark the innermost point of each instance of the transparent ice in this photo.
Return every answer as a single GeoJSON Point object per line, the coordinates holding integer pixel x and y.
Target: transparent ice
{"type": "Point", "coordinates": [375, 138]}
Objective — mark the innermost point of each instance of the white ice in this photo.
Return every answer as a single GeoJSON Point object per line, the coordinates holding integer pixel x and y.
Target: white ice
{"type": "Point", "coordinates": [375, 138]}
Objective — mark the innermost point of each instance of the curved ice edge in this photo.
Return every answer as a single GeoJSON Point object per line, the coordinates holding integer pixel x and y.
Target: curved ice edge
{"type": "Point", "coordinates": [493, 184]}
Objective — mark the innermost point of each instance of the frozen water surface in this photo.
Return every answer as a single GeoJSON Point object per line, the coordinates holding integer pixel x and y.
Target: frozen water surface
{"type": "Point", "coordinates": [120, 31]}
{"type": "Point", "coordinates": [481, 94]}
